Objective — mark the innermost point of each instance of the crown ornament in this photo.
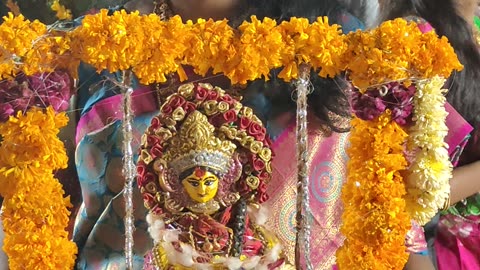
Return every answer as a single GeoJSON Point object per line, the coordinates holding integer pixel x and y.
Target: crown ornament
{"type": "Point", "coordinates": [197, 146]}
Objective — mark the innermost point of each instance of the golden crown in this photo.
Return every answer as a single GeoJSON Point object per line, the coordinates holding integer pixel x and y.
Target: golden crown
{"type": "Point", "coordinates": [196, 145]}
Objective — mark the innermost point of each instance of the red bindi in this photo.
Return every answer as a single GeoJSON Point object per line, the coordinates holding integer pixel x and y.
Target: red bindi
{"type": "Point", "coordinates": [199, 172]}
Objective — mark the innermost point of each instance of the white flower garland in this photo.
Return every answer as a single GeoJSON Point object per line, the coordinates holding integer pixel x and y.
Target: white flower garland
{"type": "Point", "coordinates": [429, 174]}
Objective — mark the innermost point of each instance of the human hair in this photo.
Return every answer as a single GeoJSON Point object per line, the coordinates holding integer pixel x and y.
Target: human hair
{"type": "Point", "coordinates": [3, 10]}
{"type": "Point", "coordinates": [259, 8]}
{"type": "Point", "coordinates": [445, 18]}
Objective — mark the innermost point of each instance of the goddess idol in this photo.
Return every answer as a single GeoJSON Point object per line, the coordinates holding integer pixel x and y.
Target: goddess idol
{"type": "Point", "coordinates": [203, 170]}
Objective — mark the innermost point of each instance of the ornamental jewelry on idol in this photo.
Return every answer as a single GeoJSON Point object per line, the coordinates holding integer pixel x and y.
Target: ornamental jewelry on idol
{"type": "Point", "coordinates": [205, 162]}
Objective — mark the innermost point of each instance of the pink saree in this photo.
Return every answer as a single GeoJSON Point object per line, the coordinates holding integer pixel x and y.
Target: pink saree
{"type": "Point", "coordinates": [327, 174]}
{"type": "Point", "coordinates": [457, 244]}
{"type": "Point", "coordinates": [327, 171]}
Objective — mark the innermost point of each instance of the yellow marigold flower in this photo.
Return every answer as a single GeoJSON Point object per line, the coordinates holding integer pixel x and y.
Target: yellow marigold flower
{"type": "Point", "coordinates": [35, 212]}
{"type": "Point", "coordinates": [397, 51]}
{"type": "Point", "coordinates": [259, 49]}
{"type": "Point", "coordinates": [210, 47]}
{"type": "Point", "coordinates": [164, 49]}
{"type": "Point", "coordinates": [7, 67]}
{"type": "Point", "coordinates": [62, 12]}
{"type": "Point", "coordinates": [443, 59]}
{"type": "Point", "coordinates": [326, 46]}
{"type": "Point", "coordinates": [26, 47]}
{"type": "Point", "coordinates": [18, 34]}
{"type": "Point", "coordinates": [34, 131]}
{"type": "Point", "coordinates": [101, 41]}
{"type": "Point", "coordinates": [375, 220]}
{"type": "Point", "coordinates": [317, 44]}
{"type": "Point", "coordinates": [294, 38]}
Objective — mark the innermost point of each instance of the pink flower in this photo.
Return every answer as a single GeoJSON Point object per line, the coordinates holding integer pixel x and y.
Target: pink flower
{"type": "Point", "coordinates": [395, 97]}
{"type": "Point", "coordinates": [6, 110]}
{"type": "Point", "coordinates": [40, 90]}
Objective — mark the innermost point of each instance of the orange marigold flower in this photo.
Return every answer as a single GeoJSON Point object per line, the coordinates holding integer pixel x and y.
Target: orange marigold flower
{"type": "Point", "coordinates": [375, 220]}
{"type": "Point", "coordinates": [35, 210]}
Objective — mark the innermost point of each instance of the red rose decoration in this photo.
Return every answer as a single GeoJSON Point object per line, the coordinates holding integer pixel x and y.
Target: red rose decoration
{"type": "Point", "coordinates": [264, 176]}
{"type": "Point", "coordinates": [262, 187]}
{"type": "Point", "coordinates": [245, 123]}
{"type": "Point", "coordinates": [141, 168]}
{"type": "Point", "coordinates": [176, 101]}
{"type": "Point", "coordinates": [153, 140]}
{"type": "Point", "coordinates": [149, 199]}
{"type": "Point", "coordinates": [167, 109]}
{"type": "Point", "coordinates": [226, 117]}
{"type": "Point", "coordinates": [257, 163]}
{"type": "Point", "coordinates": [189, 107]}
{"type": "Point", "coordinates": [257, 131]}
{"type": "Point", "coordinates": [227, 99]}
{"type": "Point", "coordinates": [201, 93]}
{"type": "Point", "coordinates": [156, 210]}
{"type": "Point", "coordinates": [156, 151]}
{"type": "Point", "coordinates": [262, 197]}
{"type": "Point", "coordinates": [147, 178]}
{"type": "Point", "coordinates": [213, 95]}
{"type": "Point", "coordinates": [155, 123]}
{"type": "Point", "coordinates": [230, 116]}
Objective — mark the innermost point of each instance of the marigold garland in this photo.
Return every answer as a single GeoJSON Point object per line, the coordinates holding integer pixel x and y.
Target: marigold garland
{"type": "Point", "coordinates": [29, 48]}
{"type": "Point", "coordinates": [397, 51]}
{"type": "Point", "coordinates": [375, 220]}
{"type": "Point", "coordinates": [152, 48]}
{"type": "Point", "coordinates": [242, 55]}
{"type": "Point", "coordinates": [35, 211]}
{"type": "Point", "coordinates": [429, 174]}
{"type": "Point", "coordinates": [305, 40]}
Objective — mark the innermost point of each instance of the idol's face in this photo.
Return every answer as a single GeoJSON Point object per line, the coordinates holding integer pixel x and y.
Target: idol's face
{"type": "Point", "coordinates": [201, 185]}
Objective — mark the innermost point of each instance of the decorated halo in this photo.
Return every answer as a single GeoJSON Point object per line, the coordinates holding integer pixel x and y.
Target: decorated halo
{"type": "Point", "coordinates": [237, 132]}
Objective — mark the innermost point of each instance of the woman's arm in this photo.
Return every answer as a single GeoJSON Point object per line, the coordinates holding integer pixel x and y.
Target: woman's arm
{"type": "Point", "coordinates": [465, 182]}
{"type": "Point", "coordinates": [419, 262]}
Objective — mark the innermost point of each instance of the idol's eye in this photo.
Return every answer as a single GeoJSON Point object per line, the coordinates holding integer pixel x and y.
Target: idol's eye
{"type": "Point", "coordinates": [194, 183]}
{"type": "Point", "coordinates": [210, 181]}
